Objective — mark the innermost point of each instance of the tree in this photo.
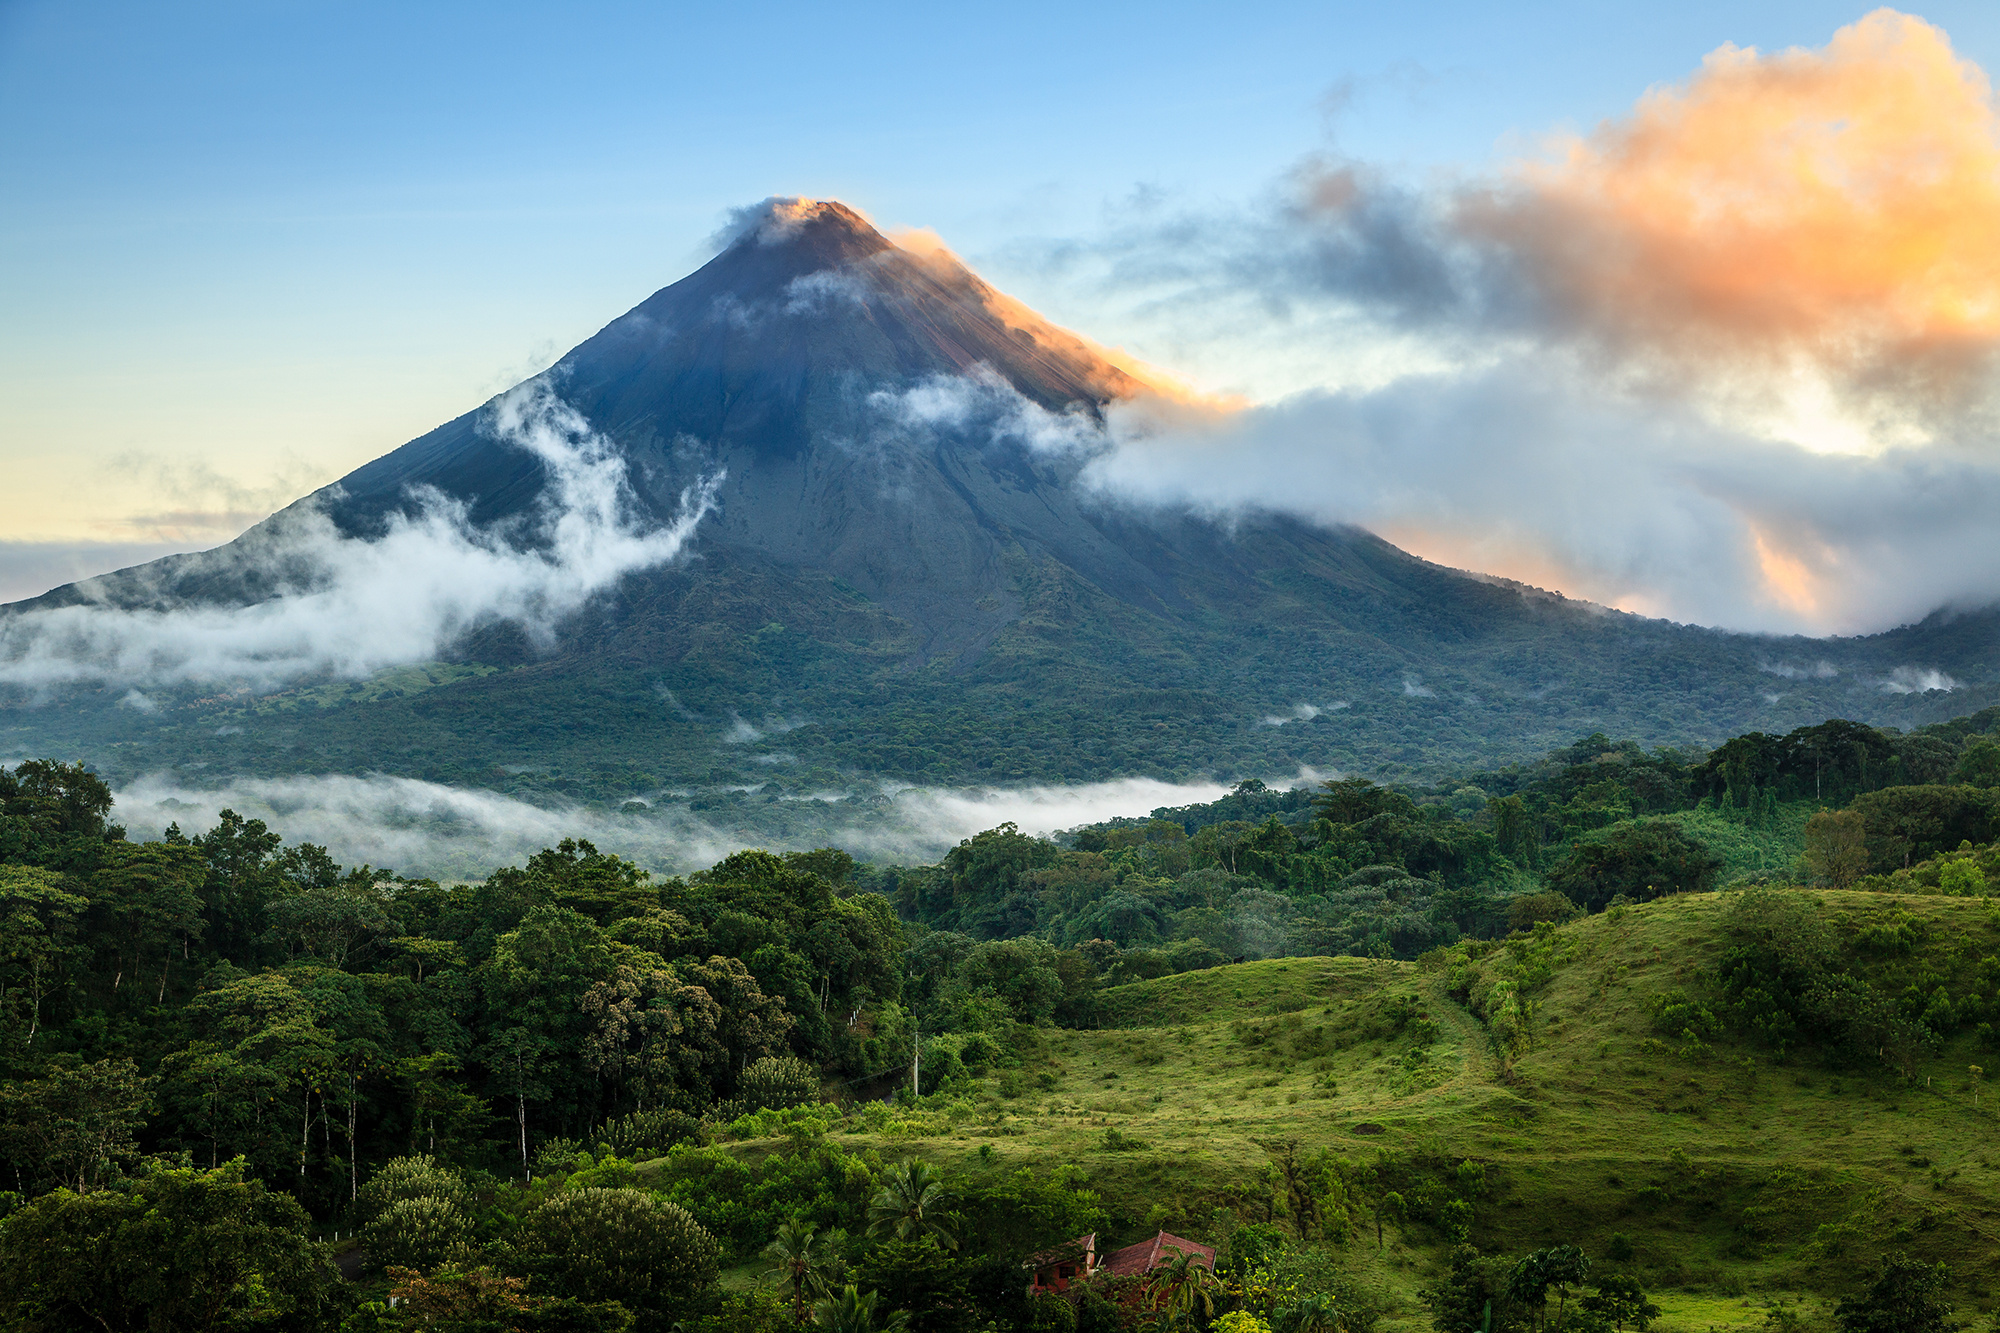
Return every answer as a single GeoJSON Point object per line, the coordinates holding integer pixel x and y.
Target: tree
{"type": "Point", "coordinates": [1514, 830]}
{"type": "Point", "coordinates": [152, 892]}
{"type": "Point", "coordinates": [179, 1249]}
{"type": "Point", "coordinates": [1472, 1294]}
{"type": "Point", "coordinates": [58, 801]}
{"type": "Point", "coordinates": [414, 1177]}
{"type": "Point", "coordinates": [1979, 764]}
{"type": "Point", "coordinates": [910, 1202]}
{"type": "Point", "coordinates": [924, 1281]}
{"type": "Point", "coordinates": [77, 1121]}
{"type": "Point", "coordinates": [1184, 1285]}
{"type": "Point", "coordinates": [1023, 972]}
{"type": "Point", "coordinates": [1315, 1193]}
{"type": "Point", "coordinates": [801, 1257]}
{"type": "Point", "coordinates": [334, 922]}
{"type": "Point", "coordinates": [1525, 910]}
{"type": "Point", "coordinates": [1641, 860]}
{"type": "Point", "coordinates": [1560, 1267]}
{"type": "Point", "coordinates": [242, 875]}
{"type": "Point", "coordinates": [619, 1244]}
{"type": "Point", "coordinates": [38, 946]}
{"type": "Point", "coordinates": [1620, 1300]}
{"type": "Point", "coordinates": [209, 1093]}
{"type": "Point", "coordinates": [1836, 847]}
{"type": "Point", "coordinates": [854, 1312]}
{"type": "Point", "coordinates": [1905, 1297]}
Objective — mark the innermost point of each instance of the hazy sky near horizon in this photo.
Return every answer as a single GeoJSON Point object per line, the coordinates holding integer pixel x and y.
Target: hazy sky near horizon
{"type": "Point", "coordinates": [246, 247]}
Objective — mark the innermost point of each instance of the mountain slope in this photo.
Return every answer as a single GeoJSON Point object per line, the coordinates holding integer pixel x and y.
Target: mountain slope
{"type": "Point", "coordinates": [902, 577]}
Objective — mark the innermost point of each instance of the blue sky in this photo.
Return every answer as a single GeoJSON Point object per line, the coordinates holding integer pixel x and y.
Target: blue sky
{"type": "Point", "coordinates": [246, 247]}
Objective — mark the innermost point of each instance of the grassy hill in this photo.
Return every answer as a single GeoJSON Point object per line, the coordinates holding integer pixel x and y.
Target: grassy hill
{"type": "Point", "coordinates": [1732, 1178]}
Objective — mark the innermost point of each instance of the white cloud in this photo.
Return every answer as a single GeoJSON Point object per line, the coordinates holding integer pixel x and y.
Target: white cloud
{"type": "Point", "coordinates": [423, 828]}
{"type": "Point", "coordinates": [1917, 680]}
{"type": "Point", "coordinates": [1821, 670]}
{"type": "Point", "coordinates": [350, 607]}
{"type": "Point", "coordinates": [1299, 713]}
{"type": "Point", "coordinates": [1532, 469]}
{"type": "Point", "coordinates": [983, 403]}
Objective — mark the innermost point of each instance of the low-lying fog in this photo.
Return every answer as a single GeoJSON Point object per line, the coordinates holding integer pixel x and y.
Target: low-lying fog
{"type": "Point", "coordinates": [425, 829]}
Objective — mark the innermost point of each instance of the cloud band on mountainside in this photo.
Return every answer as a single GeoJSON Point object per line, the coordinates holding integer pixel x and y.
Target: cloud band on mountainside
{"type": "Point", "coordinates": [1729, 358]}
{"type": "Point", "coordinates": [351, 606]}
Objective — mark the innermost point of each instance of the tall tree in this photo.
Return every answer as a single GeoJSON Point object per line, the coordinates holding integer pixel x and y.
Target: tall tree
{"type": "Point", "coordinates": [39, 947]}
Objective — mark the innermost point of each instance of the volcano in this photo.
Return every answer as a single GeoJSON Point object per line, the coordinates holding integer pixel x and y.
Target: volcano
{"type": "Point", "coordinates": [903, 575]}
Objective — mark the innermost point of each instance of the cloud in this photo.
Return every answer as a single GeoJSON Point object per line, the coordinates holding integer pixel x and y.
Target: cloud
{"type": "Point", "coordinates": [1299, 713]}
{"type": "Point", "coordinates": [349, 607]}
{"type": "Point", "coordinates": [1917, 680]}
{"type": "Point", "coordinates": [1821, 670]}
{"type": "Point", "coordinates": [775, 220]}
{"type": "Point", "coordinates": [1728, 358]}
{"type": "Point", "coordinates": [984, 404]}
{"type": "Point", "coordinates": [423, 828]}
{"type": "Point", "coordinates": [1533, 469]}
{"type": "Point", "coordinates": [1824, 214]}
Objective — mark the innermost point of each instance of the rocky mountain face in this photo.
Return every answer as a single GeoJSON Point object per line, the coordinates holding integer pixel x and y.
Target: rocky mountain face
{"type": "Point", "coordinates": [902, 570]}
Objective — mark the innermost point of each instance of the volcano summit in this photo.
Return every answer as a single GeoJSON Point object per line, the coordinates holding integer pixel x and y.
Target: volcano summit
{"type": "Point", "coordinates": [820, 511]}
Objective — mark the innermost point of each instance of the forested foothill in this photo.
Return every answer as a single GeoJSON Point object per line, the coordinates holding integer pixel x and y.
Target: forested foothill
{"type": "Point", "coordinates": [1621, 1038]}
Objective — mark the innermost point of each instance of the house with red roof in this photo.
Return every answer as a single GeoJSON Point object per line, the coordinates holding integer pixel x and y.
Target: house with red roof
{"type": "Point", "coordinates": [1057, 1270]}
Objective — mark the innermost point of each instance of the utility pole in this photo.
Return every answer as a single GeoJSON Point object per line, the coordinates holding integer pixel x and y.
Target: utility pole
{"type": "Point", "coordinates": [916, 1062]}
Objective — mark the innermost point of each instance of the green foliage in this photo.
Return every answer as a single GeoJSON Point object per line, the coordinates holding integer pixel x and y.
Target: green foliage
{"type": "Point", "coordinates": [75, 1124]}
{"type": "Point", "coordinates": [777, 1083]}
{"type": "Point", "coordinates": [854, 1311]}
{"type": "Point", "coordinates": [170, 1249]}
{"type": "Point", "coordinates": [1905, 1297]}
{"type": "Point", "coordinates": [615, 1244]}
{"type": "Point", "coordinates": [1637, 861]}
{"type": "Point", "coordinates": [910, 1202]}
{"type": "Point", "coordinates": [417, 1233]}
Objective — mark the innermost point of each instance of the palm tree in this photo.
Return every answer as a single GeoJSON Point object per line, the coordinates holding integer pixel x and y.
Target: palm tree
{"type": "Point", "coordinates": [1184, 1285]}
{"type": "Point", "coordinates": [1310, 1314]}
{"type": "Point", "coordinates": [800, 1256]}
{"type": "Point", "coordinates": [911, 1202]}
{"type": "Point", "coordinates": [854, 1312]}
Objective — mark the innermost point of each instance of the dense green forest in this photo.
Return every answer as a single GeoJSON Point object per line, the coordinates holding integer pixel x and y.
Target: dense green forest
{"type": "Point", "coordinates": [246, 1087]}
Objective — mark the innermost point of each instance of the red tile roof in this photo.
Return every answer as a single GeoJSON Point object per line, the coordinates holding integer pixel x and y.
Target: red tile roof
{"type": "Point", "coordinates": [1150, 1254]}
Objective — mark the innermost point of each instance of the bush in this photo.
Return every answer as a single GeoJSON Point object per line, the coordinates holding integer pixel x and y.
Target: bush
{"type": "Point", "coordinates": [644, 1134]}
{"type": "Point", "coordinates": [418, 1233]}
{"type": "Point", "coordinates": [404, 1178]}
{"type": "Point", "coordinates": [777, 1083]}
{"type": "Point", "coordinates": [615, 1244]}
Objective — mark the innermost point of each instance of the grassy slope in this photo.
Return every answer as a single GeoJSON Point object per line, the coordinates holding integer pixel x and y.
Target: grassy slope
{"type": "Point", "coordinates": [1586, 1122]}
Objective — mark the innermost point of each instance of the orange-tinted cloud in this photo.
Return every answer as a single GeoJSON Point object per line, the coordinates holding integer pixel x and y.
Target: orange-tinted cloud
{"type": "Point", "coordinates": [1839, 204]}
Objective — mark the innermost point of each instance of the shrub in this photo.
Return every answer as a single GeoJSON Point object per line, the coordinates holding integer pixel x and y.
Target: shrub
{"type": "Point", "coordinates": [777, 1083]}
{"type": "Point", "coordinates": [403, 1178]}
{"type": "Point", "coordinates": [418, 1233]}
{"type": "Point", "coordinates": [615, 1244]}
{"type": "Point", "coordinates": [1239, 1321]}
